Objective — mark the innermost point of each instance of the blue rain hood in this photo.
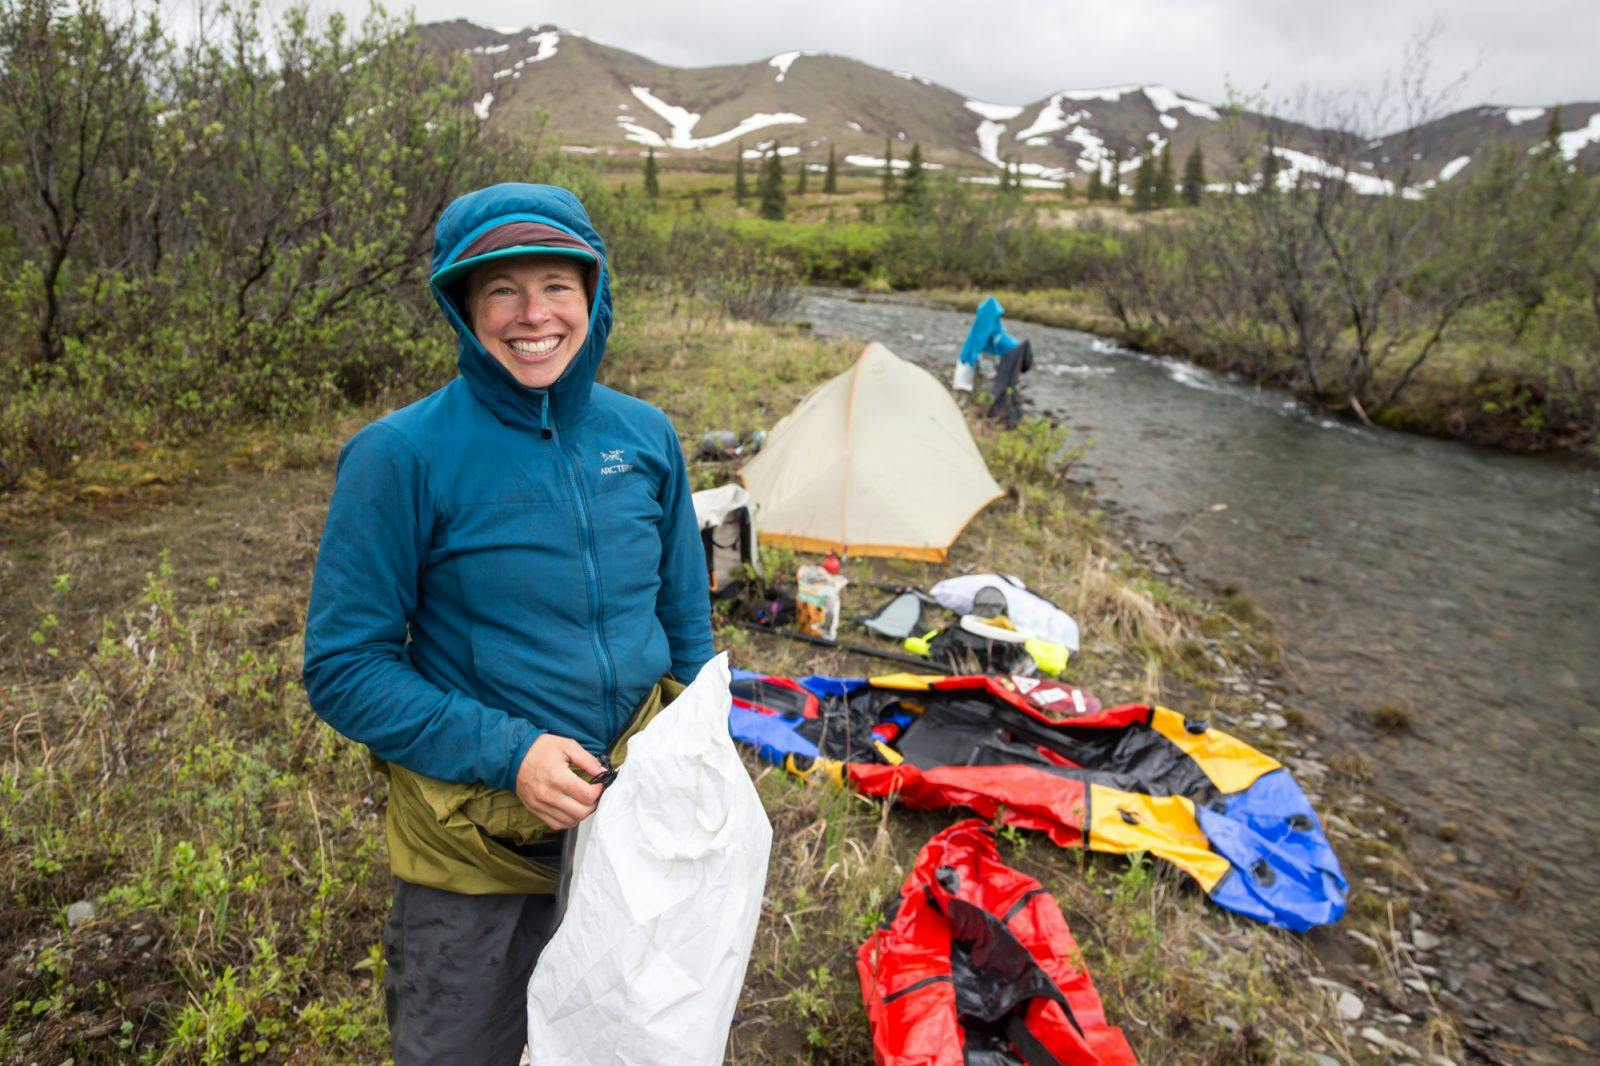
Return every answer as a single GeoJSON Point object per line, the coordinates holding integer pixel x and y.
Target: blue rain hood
{"type": "Point", "coordinates": [988, 334]}
{"type": "Point", "coordinates": [463, 222]}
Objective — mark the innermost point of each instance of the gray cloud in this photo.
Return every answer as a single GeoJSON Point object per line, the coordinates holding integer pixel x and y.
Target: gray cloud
{"type": "Point", "coordinates": [1016, 51]}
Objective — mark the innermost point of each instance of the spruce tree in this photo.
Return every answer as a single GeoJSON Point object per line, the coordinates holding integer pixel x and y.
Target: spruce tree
{"type": "Point", "coordinates": [1269, 170]}
{"type": "Point", "coordinates": [1194, 177]}
{"type": "Point", "coordinates": [830, 180]}
{"type": "Point", "coordinates": [770, 188]}
{"type": "Point", "coordinates": [652, 184]}
{"type": "Point", "coordinates": [888, 169]}
{"type": "Point", "coordinates": [1016, 174]}
{"type": "Point", "coordinates": [914, 182]}
{"type": "Point", "coordinates": [800, 182]}
{"type": "Point", "coordinates": [1097, 188]}
{"type": "Point", "coordinates": [1165, 195]}
{"type": "Point", "coordinates": [1144, 181]}
{"type": "Point", "coordinates": [1114, 181]}
{"type": "Point", "coordinates": [739, 191]}
{"type": "Point", "coordinates": [1552, 130]}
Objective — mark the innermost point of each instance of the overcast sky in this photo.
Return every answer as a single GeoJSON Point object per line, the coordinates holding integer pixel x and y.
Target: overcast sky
{"type": "Point", "coordinates": [1016, 51]}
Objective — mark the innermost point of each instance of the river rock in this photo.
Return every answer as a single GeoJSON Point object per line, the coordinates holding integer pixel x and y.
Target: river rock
{"type": "Point", "coordinates": [1277, 721]}
{"type": "Point", "coordinates": [80, 912]}
{"type": "Point", "coordinates": [1425, 941]}
{"type": "Point", "coordinates": [1350, 1006]}
{"type": "Point", "coordinates": [1528, 994]}
{"type": "Point", "coordinates": [1317, 1058]}
{"type": "Point", "coordinates": [1226, 1023]}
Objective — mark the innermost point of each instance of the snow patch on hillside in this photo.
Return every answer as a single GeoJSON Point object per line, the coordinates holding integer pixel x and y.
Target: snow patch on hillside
{"type": "Point", "coordinates": [1052, 118]}
{"type": "Point", "coordinates": [1164, 99]}
{"type": "Point", "coordinates": [547, 42]}
{"type": "Point", "coordinates": [1303, 163]}
{"type": "Point", "coordinates": [1111, 94]}
{"type": "Point", "coordinates": [1454, 167]}
{"type": "Point", "coordinates": [489, 49]}
{"type": "Point", "coordinates": [784, 60]}
{"type": "Point", "coordinates": [876, 163]}
{"type": "Point", "coordinates": [507, 31]}
{"type": "Point", "coordinates": [1031, 183]}
{"type": "Point", "coordinates": [853, 124]}
{"type": "Point", "coordinates": [1094, 149]}
{"type": "Point", "coordinates": [1169, 122]}
{"type": "Point", "coordinates": [911, 77]}
{"type": "Point", "coordinates": [1574, 141]}
{"type": "Point", "coordinates": [481, 108]}
{"type": "Point", "coordinates": [682, 122]}
{"type": "Point", "coordinates": [995, 112]}
{"type": "Point", "coordinates": [764, 150]}
{"type": "Point", "coordinates": [989, 140]}
{"type": "Point", "coordinates": [1518, 115]}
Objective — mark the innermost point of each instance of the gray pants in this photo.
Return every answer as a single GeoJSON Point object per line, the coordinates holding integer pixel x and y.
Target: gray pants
{"type": "Point", "coordinates": [458, 969]}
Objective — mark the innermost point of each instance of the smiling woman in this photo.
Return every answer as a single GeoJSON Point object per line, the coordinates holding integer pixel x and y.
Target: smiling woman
{"type": "Point", "coordinates": [510, 584]}
{"type": "Point", "coordinates": [531, 314]}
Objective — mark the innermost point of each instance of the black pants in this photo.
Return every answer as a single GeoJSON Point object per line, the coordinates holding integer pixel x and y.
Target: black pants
{"type": "Point", "coordinates": [458, 969]}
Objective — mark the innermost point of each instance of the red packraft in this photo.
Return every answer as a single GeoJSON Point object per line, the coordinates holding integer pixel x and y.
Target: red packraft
{"type": "Point", "coordinates": [976, 964]}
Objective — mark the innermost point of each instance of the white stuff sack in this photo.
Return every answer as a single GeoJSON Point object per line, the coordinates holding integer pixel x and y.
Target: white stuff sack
{"type": "Point", "coordinates": [1033, 615]}
{"type": "Point", "coordinates": [666, 890]}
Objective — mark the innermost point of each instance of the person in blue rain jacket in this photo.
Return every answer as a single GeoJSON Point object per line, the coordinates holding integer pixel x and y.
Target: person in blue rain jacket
{"type": "Point", "coordinates": [509, 567]}
{"type": "Point", "coordinates": [987, 336]}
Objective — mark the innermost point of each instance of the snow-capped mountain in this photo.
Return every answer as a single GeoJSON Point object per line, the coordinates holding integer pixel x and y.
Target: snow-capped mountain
{"type": "Point", "coordinates": [605, 100]}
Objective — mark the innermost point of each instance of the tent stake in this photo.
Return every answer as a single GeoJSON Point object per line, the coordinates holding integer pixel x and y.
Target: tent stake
{"type": "Point", "coordinates": [860, 649]}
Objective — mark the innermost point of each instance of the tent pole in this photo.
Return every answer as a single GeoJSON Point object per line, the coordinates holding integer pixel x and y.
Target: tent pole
{"type": "Point", "coordinates": [859, 649]}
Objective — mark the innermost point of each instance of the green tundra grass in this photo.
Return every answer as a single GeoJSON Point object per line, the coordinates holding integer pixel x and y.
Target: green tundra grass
{"type": "Point", "coordinates": [158, 760]}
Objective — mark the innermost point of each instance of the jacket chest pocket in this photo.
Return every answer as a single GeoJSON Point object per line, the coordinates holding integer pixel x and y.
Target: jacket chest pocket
{"type": "Point", "coordinates": [627, 532]}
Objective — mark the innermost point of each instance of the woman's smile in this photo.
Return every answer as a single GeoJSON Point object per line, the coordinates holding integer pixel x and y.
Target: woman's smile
{"type": "Point", "coordinates": [531, 313]}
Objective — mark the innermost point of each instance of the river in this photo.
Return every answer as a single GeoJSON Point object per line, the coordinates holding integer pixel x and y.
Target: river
{"type": "Point", "coordinates": [1461, 583]}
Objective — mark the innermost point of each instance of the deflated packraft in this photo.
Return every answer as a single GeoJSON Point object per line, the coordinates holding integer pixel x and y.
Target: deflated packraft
{"type": "Point", "coordinates": [975, 964]}
{"type": "Point", "coordinates": [1044, 755]}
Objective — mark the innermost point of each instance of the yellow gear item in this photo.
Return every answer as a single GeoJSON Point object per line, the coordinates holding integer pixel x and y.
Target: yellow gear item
{"type": "Point", "coordinates": [1120, 822]}
{"type": "Point", "coordinates": [890, 756]}
{"type": "Point", "coordinates": [1232, 765]}
{"type": "Point", "coordinates": [919, 645]}
{"type": "Point", "coordinates": [1051, 659]}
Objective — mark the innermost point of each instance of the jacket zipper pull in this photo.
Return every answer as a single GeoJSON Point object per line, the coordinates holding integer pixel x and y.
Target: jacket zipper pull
{"type": "Point", "coordinates": [545, 432]}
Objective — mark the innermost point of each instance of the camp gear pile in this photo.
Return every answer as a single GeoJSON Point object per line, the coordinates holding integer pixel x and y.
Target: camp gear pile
{"type": "Point", "coordinates": [666, 892]}
{"type": "Point", "coordinates": [1042, 755]}
{"type": "Point", "coordinates": [877, 461]}
{"type": "Point", "coordinates": [975, 964]}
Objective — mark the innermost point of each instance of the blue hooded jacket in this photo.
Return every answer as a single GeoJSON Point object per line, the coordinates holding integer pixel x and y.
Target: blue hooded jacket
{"type": "Point", "coordinates": [500, 561]}
{"type": "Point", "coordinates": [988, 333]}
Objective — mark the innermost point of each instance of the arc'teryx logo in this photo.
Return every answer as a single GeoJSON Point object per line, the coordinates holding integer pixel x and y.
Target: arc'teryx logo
{"type": "Point", "coordinates": [614, 463]}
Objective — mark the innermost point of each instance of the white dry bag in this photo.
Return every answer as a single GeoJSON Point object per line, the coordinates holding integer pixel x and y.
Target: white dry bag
{"type": "Point", "coordinates": [667, 880]}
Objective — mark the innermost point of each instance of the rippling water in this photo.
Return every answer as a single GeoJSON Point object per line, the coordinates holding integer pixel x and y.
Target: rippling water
{"type": "Point", "coordinates": [1459, 581]}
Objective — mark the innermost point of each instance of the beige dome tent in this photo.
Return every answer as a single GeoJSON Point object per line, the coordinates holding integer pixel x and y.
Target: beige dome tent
{"type": "Point", "coordinates": [877, 461]}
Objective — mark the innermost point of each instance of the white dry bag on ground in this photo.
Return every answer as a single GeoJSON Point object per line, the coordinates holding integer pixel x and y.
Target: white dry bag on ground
{"type": "Point", "coordinates": [666, 890]}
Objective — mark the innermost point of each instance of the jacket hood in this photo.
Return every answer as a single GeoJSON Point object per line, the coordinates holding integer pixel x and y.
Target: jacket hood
{"type": "Point", "coordinates": [462, 223]}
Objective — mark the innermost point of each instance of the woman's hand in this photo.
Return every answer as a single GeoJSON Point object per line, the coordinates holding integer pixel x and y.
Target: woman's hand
{"type": "Point", "coordinates": [547, 786]}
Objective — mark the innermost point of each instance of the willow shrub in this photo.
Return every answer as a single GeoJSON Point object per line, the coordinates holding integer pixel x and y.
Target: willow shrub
{"type": "Point", "coordinates": [238, 231]}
